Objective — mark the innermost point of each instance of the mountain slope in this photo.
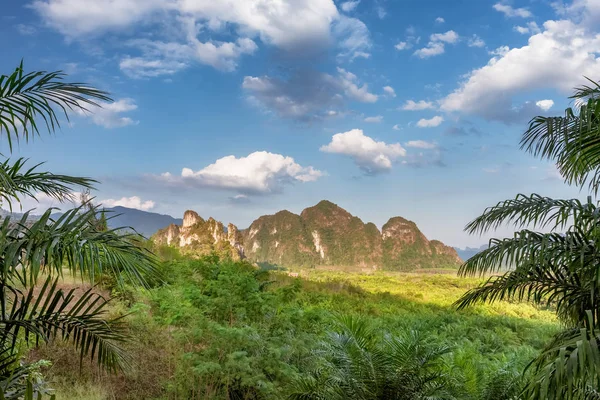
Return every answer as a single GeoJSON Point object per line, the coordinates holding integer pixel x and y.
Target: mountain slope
{"type": "Point", "coordinates": [324, 234]}
{"type": "Point", "coordinates": [144, 222]}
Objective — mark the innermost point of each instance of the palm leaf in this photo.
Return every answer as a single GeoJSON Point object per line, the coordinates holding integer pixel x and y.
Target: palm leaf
{"type": "Point", "coordinates": [73, 242]}
{"type": "Point", "coordinates": [18, 180]}
{"type": "Point", "coordinates": [27, 97]}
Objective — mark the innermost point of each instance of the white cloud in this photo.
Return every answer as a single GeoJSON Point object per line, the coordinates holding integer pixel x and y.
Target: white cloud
{"type": "Point", "coordinates": [531, 28]}
{"type": "Point", "coordinates": [129, 202]}
{"type": "Point", "coordinates": [139, 67]}
{"type": "Point", "coordinates": [296, 27]}
{"type": "Point", "coordinates": [512, 12]}
{"type": "Point", "coordinates": [41, 202]}
{"type": "Point", "coordinates": [556, 58]}
{"type": "Point", "coordinates": [432, 49]}
{"type": "Point", "coordinates": [370, 156]}
{"type": "Point", "coordinates": [396, 127]}
{"type": "Point", "coordinates": [353, 37]}
{"type": "Point", "coordinates": [307, 95]}
{"type": "Point", "coordinates": [430, 123]}
{"type": "Point", "coordinates": [447, 37]}
{"type": "Point", "coordinates": [421, 144]}
{"type": "Point", "coordinates": [440, 20]}
{"type": "Point", "coordinates": [475, 41]}
{"type": "Point", "coordinates": [351, 87]}
{"type": "Point", "coordinates": [109, 115]}
{"type": "Point", "coordinates": [389, 91]}
{"type": "Point", "coordinates": [375, 120]}
{"type": "Point", "coordinates": [260, 172]}
{"type": "Point", "coordinates": [411, 105]}
{"type": "Point", "coordinates": [348, 6]}
{"type": "Point", "coordinates": [403, 46]}
{"type": "Point", "coordinates": [545, 105]}
{"type": "Point", "coordinates": [436, 45]}
{"type": "Point", "coordinates": [381, 13]}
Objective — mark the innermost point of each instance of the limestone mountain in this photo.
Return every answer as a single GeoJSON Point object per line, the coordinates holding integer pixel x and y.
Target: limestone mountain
{"type": "Point", "coordinates": [404, 244]}
{"type": "Point", "coordinates": [199, 236]}
{"type": "Point", "coordinates": [324, 234]}
{"type": "Point", "coordinates": [341, 238]}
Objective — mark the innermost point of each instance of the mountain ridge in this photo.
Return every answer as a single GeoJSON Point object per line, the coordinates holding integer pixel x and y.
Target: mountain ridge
{"type": "Point", "coordinates": [323, 234]}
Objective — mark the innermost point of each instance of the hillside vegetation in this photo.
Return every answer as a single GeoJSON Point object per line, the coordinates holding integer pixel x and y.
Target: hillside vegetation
{"type": "Point", "coordinates": [324, 234]}
{"type": "Point", "coordinates": [227, 330]}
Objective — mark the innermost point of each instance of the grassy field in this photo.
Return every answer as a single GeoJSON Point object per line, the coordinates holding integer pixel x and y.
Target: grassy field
{"type": "Point", "coordinates": [222, 328]}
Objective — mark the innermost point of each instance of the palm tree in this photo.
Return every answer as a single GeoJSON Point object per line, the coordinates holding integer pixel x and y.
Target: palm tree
{"type": "Point", "coordinates": [560, 266]}
{"type": "Point", "coordinates": [31, 313]}
{"type": "Point", "coordinates": [361, 364]}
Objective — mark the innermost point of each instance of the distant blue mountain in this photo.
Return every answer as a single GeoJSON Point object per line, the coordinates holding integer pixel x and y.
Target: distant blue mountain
{"type": "Point", "coordinates": [469, 252]}
{"type": "Point", "coordinates": [144, 222]}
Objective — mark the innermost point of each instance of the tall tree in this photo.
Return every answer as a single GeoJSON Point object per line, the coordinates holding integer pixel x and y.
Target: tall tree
{"type": "Point", "coordinates": [30, 102]}
{"type": "Point", "coordinates": [560, 268]}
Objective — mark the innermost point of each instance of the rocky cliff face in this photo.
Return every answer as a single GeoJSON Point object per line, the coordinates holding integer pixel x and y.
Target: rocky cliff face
{"type": "Point", "coordinates": [324, 234]}
{"type": "Point", "coordinates": [199, 236]}
{"type": "Point", "coordinates": [339, 238]}
{"type": "Point", "coordinates": [405, 247]}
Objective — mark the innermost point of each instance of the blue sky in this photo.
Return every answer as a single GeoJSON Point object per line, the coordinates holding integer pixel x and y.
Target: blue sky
{"type": "Point", "coordinates": [237, 109]}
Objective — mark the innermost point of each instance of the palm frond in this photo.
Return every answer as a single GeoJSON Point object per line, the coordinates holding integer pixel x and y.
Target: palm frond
{"type": "Point", "coordinates": [74, 242]}
{"type": "Point", "coordinates": [534, 211]}
{"type": "Point", "coordinates": [569, 368]}
{"type": "Point", "coordinates": [53, 313]}
{"type": "Point", "coordinates": [27, 97]}
{"type": "Point", "coordinates": [18, 180]}
{"type": "Point", "coordinates": [571, 141]}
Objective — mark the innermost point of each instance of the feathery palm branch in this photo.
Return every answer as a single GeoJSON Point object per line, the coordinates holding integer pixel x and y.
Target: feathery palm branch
{"type": "Point", "coordinates": [73, 242]}
{"type": "Point", "coordinates": [571, 141]}
{"type": "Point", "coordinates": [553, 269]}
{"type": "Point", "coordinates": [18, 181]}
{"type": "Point", "coordinates": [26, 97]}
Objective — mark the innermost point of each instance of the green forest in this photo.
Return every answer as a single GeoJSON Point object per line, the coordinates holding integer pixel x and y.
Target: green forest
{"type": "Point", "coordinates": [89, 312]}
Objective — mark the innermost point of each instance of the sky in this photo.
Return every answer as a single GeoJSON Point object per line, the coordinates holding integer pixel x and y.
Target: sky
{"type": "Point", "coordinates": [237, 109]}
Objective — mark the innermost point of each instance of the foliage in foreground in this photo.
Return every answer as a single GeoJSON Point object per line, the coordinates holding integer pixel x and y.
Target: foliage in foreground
{"type": "Point", "coordinates": [560, 268]}
{"type": "Point", "coordinates": [30, 314]}
{"type": "Point", "coordinates": [226, 330]}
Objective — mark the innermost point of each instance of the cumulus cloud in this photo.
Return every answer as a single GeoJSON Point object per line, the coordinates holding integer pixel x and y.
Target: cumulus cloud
{"type": "Point", "coordinates": [556, 58]}
{"type": "Point", "coordinates": [389, 91]}
{"type": "Point", "coordinates": [402, 45]}
{"type": "Point", "coordinates": [306, 94]}
{"type": "Point", "coordinates": [531, 28]}
{"type": "Point", "coordinates": [512, 12]}
{"type": "Point", "coordinates": [42, 202]}
{"type": "Point", "coordinates": [412, 105]}
{"type": "Point", "coordinates": [396, 127]}
{"type": "Point", "coordinates": [110, 115]}
{"type": "Point", "coordinates": [293, 27]}
{"type": "Point", "coordinates": [369, 155]}
{"type": "Point", "coordinates": [475, 41]}
{"type": "Point", "coordinates": [440, 20]}
{"type": "Point", "coordinates": [421, 144]}
{"type": "Point", "coordinates": [348, 6]}
{"type": "Point", "coordinates": [430, 123]}
{"type": "Point", "coordinates": [239, 199]}
{"type": "Point", "coordinates": [447, 37]}
{"type": "Point", "coordinates": [376, 119]}
{"type": "Point", "coordinates": [436, 45]}
{"type": "Point", "coordinates": [129, 202]}
{"type": "Point", "coordinates": [545, 105]}
{"type": "Point", "coordinates": [432, 49]}
{"type": "Point", "coordinates": [260, 172]}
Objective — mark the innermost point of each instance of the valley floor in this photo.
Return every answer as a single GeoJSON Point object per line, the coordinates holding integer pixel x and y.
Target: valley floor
{"type": "Point", "coordinates": [223, 330]}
